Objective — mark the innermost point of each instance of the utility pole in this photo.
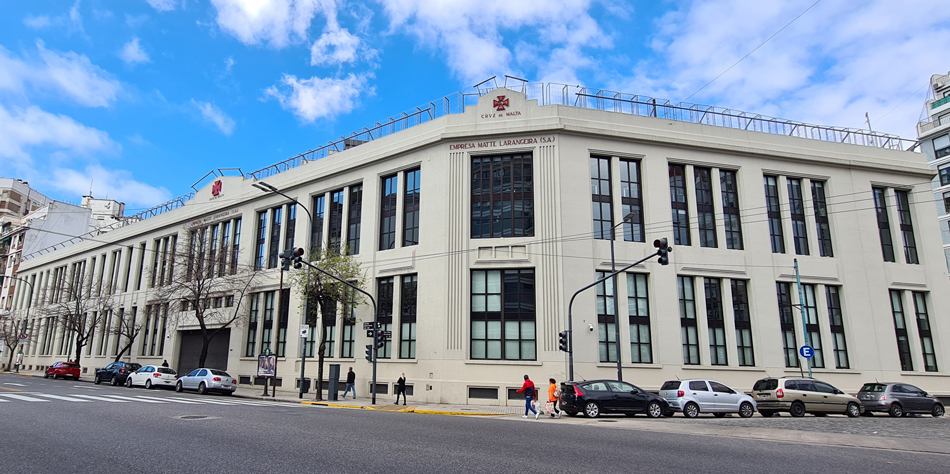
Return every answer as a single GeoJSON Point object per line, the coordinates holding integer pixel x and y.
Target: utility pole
{"type": "Point", "coordinates": [801, 308]}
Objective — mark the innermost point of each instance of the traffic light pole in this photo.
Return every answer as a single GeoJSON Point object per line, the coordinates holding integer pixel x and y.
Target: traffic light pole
{"type": "Point", "coordinates": [570, 306]}
{"type": "Point", "coordinates": [801, 309]}
{"type": "Point", "coordinates": [375, 315]}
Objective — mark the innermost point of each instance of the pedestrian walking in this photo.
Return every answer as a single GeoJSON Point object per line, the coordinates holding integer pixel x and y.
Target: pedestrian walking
{"type": "Point", "coordinates": [554, 394]}
{"type": "Point", "coordinates": [528, 389]}
{"type": "Point", "coordinates": [401, 388]}
{"type": "Point", "coordinates": [350, 383]}
{"type": "Point", "coordinates": [165, 363]}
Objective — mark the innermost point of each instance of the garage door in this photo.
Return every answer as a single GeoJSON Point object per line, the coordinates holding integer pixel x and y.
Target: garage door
{"type": "Point", "coordinates": [191, 350]}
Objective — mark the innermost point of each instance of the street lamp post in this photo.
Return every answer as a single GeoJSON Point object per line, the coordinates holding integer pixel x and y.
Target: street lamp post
{"type": "Point", "coordinates": [613, 268]}
{"type": "Point", "coordinates": [267, 188]}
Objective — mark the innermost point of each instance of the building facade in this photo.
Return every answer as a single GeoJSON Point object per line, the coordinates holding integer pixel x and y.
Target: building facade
{"type": "Point", "coordinates": [475, 228]}
{"type": "Point", "coordinates": [933, 132]}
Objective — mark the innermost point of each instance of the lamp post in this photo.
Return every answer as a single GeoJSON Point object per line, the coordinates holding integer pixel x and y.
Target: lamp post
{"type": "Point", "coordinates": [267, 188]}
{"type": "Point", "coordinates": [613, 268]}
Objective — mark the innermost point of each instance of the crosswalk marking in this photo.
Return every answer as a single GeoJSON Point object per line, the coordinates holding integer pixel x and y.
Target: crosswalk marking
{"type": "Point", "coordinates": [102, 397]}
{"type": "Point", "coordinates": [133, 399]}
{"type": "Point", "coordinates": [2, 400]}
{"type": "Point", "coordinates": [112, 400]}
{"type": "Point", "coordinates": [168, 400]}
{"type": "Point", "coordinates": [68, 399]}
{"type": "Point", "coordinates": [23, 397]}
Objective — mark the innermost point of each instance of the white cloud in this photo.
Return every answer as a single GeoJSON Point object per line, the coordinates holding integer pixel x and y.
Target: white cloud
{"type": "Point", "coordinates": [163, 5]}
{"type": "Point", "coordinates": [132, 52]}
{"type": "Point", "coordinates": [228, 64]}
{"type": "Point", "coordinates": [276, 22]}
{"type": "Point", "coordinates": [36, 22]}
{"type": "Point", "coordinates": [216, 116]}
{"type": "Point", "coordinates": [314, 98]}
{"type": "Point", "coordinates": [334, 47]}
{"type": "Point", "coordinates": [25, 129]}
{"type": "Point", "coordinates": [70, 74]}
{"type": "Point", "coordinates": [116, 184]}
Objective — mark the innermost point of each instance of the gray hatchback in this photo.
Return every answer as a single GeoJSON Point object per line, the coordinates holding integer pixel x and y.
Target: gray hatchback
{"type": "Point", "coordinates": [207, 380]}
{"type": "Point", "coordinates": [898, 399]}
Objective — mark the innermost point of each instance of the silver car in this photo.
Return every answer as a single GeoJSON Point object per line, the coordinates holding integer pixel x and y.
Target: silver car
{"type": "Point", "coordinates": [696, 396]}
{"type": "Point", "coordinates": [207, 380]}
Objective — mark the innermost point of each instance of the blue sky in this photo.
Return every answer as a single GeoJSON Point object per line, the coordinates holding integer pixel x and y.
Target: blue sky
{"type": "Point", "coordinates": [143, 97]}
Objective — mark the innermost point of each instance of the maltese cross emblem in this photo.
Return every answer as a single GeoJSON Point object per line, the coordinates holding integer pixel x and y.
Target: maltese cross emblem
{"type": "Point", "coordinates": [500, 103]}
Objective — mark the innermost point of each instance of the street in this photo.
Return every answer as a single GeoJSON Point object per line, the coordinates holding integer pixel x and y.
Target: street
{"type": "Point", "coordinates": [67, 426]}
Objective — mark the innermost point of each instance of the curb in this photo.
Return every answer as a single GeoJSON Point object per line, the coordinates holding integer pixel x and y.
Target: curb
{"type": "Point", "coordinates": [337, 405]}
{"type": "Point", "coordinates": [463, 413]}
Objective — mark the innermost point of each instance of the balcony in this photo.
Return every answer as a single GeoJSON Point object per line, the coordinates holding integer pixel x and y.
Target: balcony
{"type": "Point", "coordinates": [938, 103]}
{"type": "Point", "coordinates": [925, 126]}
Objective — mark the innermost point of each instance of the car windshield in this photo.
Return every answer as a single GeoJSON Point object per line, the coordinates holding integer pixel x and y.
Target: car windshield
{"type": "Point", "coordinates": [765, 384]}
{"type": "Point", "coordinates": [165, 370]}
{"type": "Point", "coordinates": [220, 372]}
{"type": "Point", "coordinates": [70, 364]}
{"type": "Point", "coordinates": [873, 387]}
{"type": "Point", "coordinates": [671, 385]}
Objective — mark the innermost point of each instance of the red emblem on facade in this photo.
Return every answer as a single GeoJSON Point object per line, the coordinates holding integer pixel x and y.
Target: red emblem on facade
{"type": "Point", "coordinates": [500, 103]}
{"type": "Point", "coordinates": [216, 188]}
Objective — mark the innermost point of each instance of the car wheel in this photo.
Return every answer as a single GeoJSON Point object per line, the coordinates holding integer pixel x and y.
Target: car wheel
{"type": "Point", "coordinates": [797, 410]}
{"type": "Point", "coordinates": [654, 410]}
{"type": "Point", "coordinates": [746, 410]}
{"type": "Point", "coordinates": [96, 380]}
{"type": "Point", "coordinates": [937, 411]}
{"type": "Point", "coordinates": [767, 413]}
{"type": "Point", "coordinates": [178, 387]}
{"type": "Point", "coordinates": [148, 384]}
{"type": "Point", "coordinates": [719, 415]}
{"type": "Point", "coordinates": [202, 390]}
{"type": "Point", "coordinates": [896, 410]}
{"type": "Point", "coordinates": [46, 375]}
{"type": "Point", "coordinates": [691, 410]}
{"type": "Point", "coordinates": [128, 382]}
{"type": "Point", "coordinates": [854, 410]}
{"type": "Point", "coordinates": [114, 381]}
{"type": "Point", "coordinates": [591, 410]}
{"type": "Point", "coordinates": [55, 376]}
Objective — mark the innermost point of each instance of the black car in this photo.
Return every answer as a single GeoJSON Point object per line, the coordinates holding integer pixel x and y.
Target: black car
{"type": "Point", "coordinates": [593, 397]}
{"type": "Point", "coordinates": [898, 399]}
{"type": "Point", "coordinates": [116, 372]}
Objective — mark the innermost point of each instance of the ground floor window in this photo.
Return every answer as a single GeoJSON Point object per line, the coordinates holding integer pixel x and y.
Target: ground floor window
{"type": "Point", "coordinates": [638, 311]}
{"type": "Point", "coordinates": [503, 314]}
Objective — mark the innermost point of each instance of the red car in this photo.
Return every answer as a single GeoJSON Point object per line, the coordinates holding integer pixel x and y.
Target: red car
{"type": "Point", "coordinates": [63, 369]}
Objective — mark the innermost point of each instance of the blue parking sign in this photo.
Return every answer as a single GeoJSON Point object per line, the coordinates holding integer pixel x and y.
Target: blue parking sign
{"type": "Point", "coordinates": [807, 352]}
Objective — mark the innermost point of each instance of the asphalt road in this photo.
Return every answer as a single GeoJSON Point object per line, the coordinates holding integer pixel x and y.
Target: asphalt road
{"type": "Point", "coordinates": [134, 434]}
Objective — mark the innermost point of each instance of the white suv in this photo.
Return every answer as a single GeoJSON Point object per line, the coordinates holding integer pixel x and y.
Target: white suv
{"type": "Point", "coordinates": [693, 397]}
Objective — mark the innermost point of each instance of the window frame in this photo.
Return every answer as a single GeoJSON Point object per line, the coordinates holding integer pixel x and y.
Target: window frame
{"type": "Point", "coordinates": [522, 299]}
{"type": "Point", "coordinates": [601, 195]}
{"type": "Point", "coordinates": [638, 318]}
{"type": "Point", "coordinates": [742, 319]}
{"type": "Point", "coordinates": [796, 209]}
{"type": "Point", "coordinates": [900, 330]}
{"type": "Point", "coordinates": [493, 191]}
{"type": "Point", "coordinates": [773, 206]}
{"type": "Point", "coordinates": [688, 324]}
{"type": "Point", "coordinates": [705, 207]}
{"type": "Point", "coordinates": [883, 223]}
{"type": "Point", "coordinates": [731, 219]}
{"type": "Point", "coordinates": [679, 202]}
{"type": "Point", "coordinates": [715, 322]}
{"type": "Point", "coordinates": [906, 227]}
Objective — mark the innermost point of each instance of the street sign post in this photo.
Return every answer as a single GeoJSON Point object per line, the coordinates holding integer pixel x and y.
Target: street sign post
{"type": "Point", "coordinates": [304, 331]}
{"type": "Point", "coordinates": [368, 325]}
{"type": "Point", "coordinates": [807, 352]}
{"type": "Point", "coordinates": [386, 334]}
{"type": "Point", "coordinates": [369, 333]}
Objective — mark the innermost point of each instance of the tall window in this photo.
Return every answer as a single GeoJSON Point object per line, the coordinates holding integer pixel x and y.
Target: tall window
{"type": "Point", "coordinates": [261, 240]}
{"type": "Point", "coordinates": [730, 209]}
{"type": "Point", "coordinates": [291, 226]}
{"type": "Point", "coordinates": [283, 313]}
{"type": "Point", "coordinates": [836, 320]}
{"type": "Point", "coordinates": [679, 205]}
{"type": "Point", "coordinates": [502, 196]}
{"type": "Point", "coordinates": [348, 333]}
{"type": "Point", "coordinates": [336, 221]}
{"type": "Point", "coordinates": [600, 197]}
{"type": "Point", "coordinates": [407, 317]}
{"type": "Point", "coordinates": [213, 249]}
{"type": "Point", "coordinates": [907, 227]}
{"type": "Point", "coordinates": [268, 324]}
{"type": "Point", "coordinates": [410, 208]}
{"type": "Point", "coordinates": [715, 322]}
{"type": "Point", "coordinates": [796, 206]}
{"type": "Point", "coordinates": [705, 212]}
{"type": "Point", "coordinates": [316, 227]}
{"type": "Point", "coordinates": [687, 301]}
{"type": "Point", "coordinates": [330, 328]}
{"type": "Point", "coordinates": [631, 202]}
{"type": "Point", "coordinates": [900, 327]}
{"type": "Point", "coordinates": [774, 211]}
{"type": "Point", "coordinates": [813, 328]}
{"type": "Point", "coordinates": [638, 310]}
{"type": "Point", "coordinates": [923, 330]}
{"type": "Point", "coordinates": [252, 326]}
{"type": "Point", "coordinates": [503, 314]}
{"type": "Point", "coordinates": [787, 321]}
{"type": "Point", "coordinates": [310, 318]}
{"type": "Point", "coordinates": [387, 213]}
{"type": "Point", "coordinates": [235, 245]}
{"type": "Point", "coordinates": [883, 224]}
{"type": "Point", "coordinates": [606, 319]}
{"type": "Point", "coordinates": [274, 250]}
{"type": "Point", "coordinates": [356, 214]}
{"type": "Point", "coordinates": [743, 320]}
{"type": "Point", "coordinates": [821, 219]}
{"type": "Point", "coordinates": [225, 247]}
{"type": "Point", "coordinates": [384, 293]}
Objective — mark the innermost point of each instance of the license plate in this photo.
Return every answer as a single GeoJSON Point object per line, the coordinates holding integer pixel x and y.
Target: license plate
{"type": "Point", "coordinates": [764, 395]}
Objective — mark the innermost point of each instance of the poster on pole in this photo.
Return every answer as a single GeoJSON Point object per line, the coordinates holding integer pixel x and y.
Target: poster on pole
{"type": "Point", "coordinates": [266, 366]}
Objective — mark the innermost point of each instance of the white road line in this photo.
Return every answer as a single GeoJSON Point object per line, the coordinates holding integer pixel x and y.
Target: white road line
{"type": "Point", "coordinates": [13, 383]}
{"type": "Point", "coordinates": [212, 402]}
{"type": "Point", "coordinates": [167, 400]}
{"type": "Point", "coordinates": [22, 397]}
{"type": "Point", "coordinates": [103, 399]}
{"type": "Point", "coordinates": [2, 400]}
{"type": "Point", "coordinates": [58, 397]}
{"type": "Point", "coordinates": [132, 399]}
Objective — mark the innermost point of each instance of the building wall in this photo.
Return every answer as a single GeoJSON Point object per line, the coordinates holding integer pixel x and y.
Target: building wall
{"type": "Point", "coordinates": [565, 257]}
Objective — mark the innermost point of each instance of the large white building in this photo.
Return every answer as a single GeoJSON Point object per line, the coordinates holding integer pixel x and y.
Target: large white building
{"type": "Point", "coordinates": [933, 131]}
{"type": "Point", "coordinates": [476, 217]}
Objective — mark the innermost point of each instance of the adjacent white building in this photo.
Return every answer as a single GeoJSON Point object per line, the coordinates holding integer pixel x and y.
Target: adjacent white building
{"type": "Point", "coordinates": [933, 131]}
{"type": "Point", "coordinates": [476, 217]}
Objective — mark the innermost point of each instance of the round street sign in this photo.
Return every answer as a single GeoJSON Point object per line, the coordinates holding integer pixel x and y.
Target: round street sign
{"type": "Point", "coordinates": [807, 352]}
{"type": "Point", "coordinates": [23, 337]}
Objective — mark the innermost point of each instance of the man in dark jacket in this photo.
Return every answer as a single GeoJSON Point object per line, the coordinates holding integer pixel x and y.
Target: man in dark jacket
{"type": "Point", "coordinates": [528, 389]}
{"type": "Point", "coordinates": [350, 383]}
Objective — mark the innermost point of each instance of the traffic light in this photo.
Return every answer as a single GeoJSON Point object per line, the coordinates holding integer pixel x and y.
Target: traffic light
{"type": "Point", "coordinates": [563, 342]}
{"type": "Point", "coordinates": [380, 341]}
{"type": "Point", "coordinates": [297, 256]}
{"type": "Point", "coordinates": [369, 352]}
{"type": "Point", "coordinates": [663, 250]}
{"type": "Point", "coordinates": [285, 258]}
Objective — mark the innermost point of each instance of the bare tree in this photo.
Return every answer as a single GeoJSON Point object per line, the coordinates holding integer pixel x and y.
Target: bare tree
{"type": "Point", "coordinates": [9, 335]}
{"type": "Point", "coordinates": [81, 305]}
{"type": "Point", "coordinates": [129, 326]}
{"type": "Point", "coordinates": [322, 294]}
{"type": "Point", "coordinates": [208, 290]}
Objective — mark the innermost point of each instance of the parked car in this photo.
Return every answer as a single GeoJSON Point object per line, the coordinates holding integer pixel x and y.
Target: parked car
{"type": "Point", "coordinates": [802, 395]}
{"type": "Point", "coordinates": [152, 376]}
{"type": "Point", "coordinates": [62, 369]}
{"type": "Point", "coordinates": [593, 397]}
{"type": "Point", "coordinates": [693, 397]}
{"type": "Point", "coordinates": [898, 399]}
{"type": "Point", "coordinates": [116, 372]}
{"type": "Point", "coordinates": [207, 380]}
